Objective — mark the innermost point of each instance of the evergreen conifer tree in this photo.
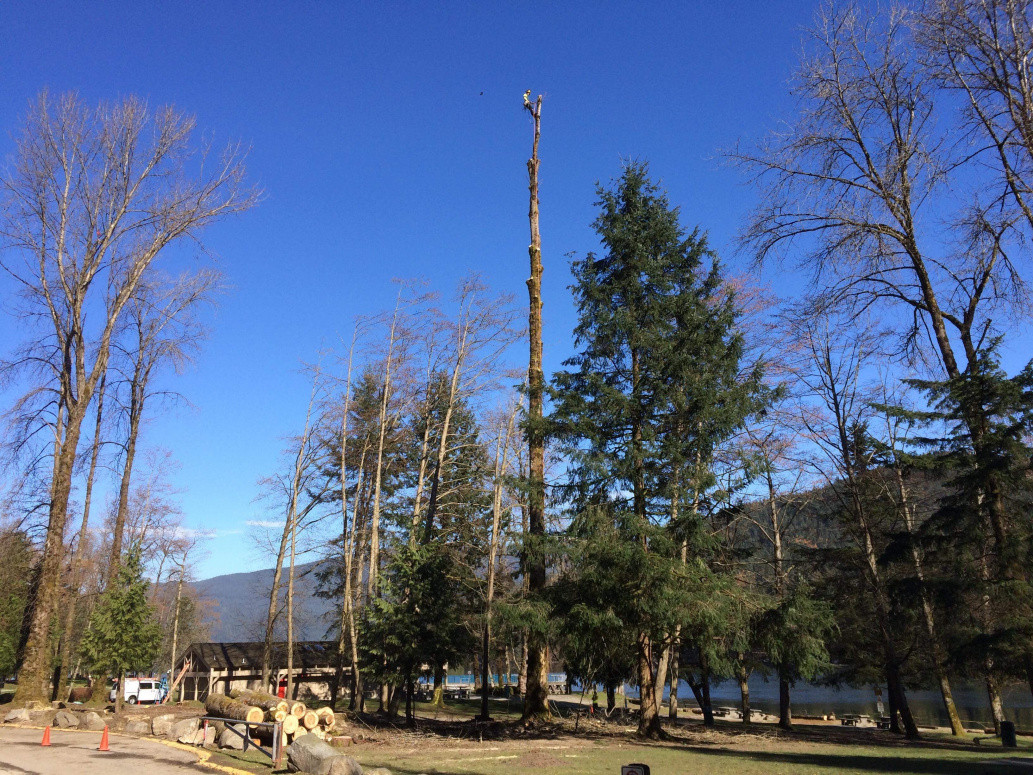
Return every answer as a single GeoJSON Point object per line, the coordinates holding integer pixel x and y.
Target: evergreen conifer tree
{"type": "Point", "coordinates": [655, 387]}
{"type": "Point", "coordinates": [16, 561]}
{"type": "Point", "coordinates": [992, 612]}
{"type": "Point", "coordinates": [416, 620]}
{"type": "Point", "coordinates": [123, 633]}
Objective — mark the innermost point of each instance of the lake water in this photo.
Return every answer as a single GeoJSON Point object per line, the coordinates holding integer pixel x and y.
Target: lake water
{"type": "Point", "coordinates": [926, 704]}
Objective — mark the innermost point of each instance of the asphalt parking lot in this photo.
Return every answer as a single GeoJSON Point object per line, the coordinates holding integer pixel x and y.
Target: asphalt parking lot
{"type": "Point", "coordinates": [75, 753]}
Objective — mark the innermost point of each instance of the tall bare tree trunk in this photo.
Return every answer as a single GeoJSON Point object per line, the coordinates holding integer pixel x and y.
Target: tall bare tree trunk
{"type": "Point", "coordinates": [536, 698]}
{"type": "Point", "coordinates": [273, 609]}
{"type": "Point", "coordinates": [292, 519]}
{"type": "Point", "coordinates": [290, 610]}
{"type": "Point", "coordinates": [346, 530]}
{"type": "Point", "coordinates": [501, 450]}
{"type": "Point", "coordinates": [421, 475]}
{"type": "Point", "coordinates": [672, 690]}
{"type": "Point", "coordinates": [939, 658]}
{"type": "Point", "coordinates": [61, 690]}
{"type": "Point", "coordinates": [373, 576]}
{"type": "Point", "coordinates": [374, 547]}
{"type": "Point", "coordinates": [453, 393]}
{"type": "Point", "coordinates": [785, 711]}
{"type": "Point", "coordinates": [136, 400]}
{"type": "Point", "coordinates": [286, 545]}
{"type": "Point", "coordinates": [175, 622]}
{"type": "Point", "coordinates": [352, 589]}
{"type": "Point", "coordinates": [35, 674]}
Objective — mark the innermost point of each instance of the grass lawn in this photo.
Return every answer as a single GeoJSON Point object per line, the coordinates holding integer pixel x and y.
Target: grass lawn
{"type": "Point", "coordinates": [771, 757]}
{"type": "Point", "coordinates": [253, 761]}
{"type": "Point", "coordinates": [449, 744]}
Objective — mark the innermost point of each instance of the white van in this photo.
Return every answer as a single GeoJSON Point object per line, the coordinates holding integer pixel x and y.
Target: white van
{"type": "Point", "coordinates": [139, 690]}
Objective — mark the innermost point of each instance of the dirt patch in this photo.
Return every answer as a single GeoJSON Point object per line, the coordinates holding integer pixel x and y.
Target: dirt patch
{"type": "Point", "coordinates": [538, 760]}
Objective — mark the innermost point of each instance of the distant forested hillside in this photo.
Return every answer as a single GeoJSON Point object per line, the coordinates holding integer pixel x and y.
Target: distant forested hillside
{"type": "Point", "coordinates": [238, 604]}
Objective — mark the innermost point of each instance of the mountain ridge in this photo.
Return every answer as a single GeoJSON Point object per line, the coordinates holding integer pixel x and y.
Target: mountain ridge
{"type": "Point", "coordinates": [236, 605]}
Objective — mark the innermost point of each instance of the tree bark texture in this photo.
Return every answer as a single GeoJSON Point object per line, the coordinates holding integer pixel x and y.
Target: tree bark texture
{"type": "Point", "coordinates": [61, 689]}
{"type": "Point", "coordinates": [536, 697]}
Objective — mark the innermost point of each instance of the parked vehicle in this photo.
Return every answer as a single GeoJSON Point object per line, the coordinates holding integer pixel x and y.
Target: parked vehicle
{"type": "Point", "coordinates": [140, 690]}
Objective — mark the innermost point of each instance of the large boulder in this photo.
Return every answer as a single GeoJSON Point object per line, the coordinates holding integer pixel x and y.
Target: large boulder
{"type": "Point", "coordinates": [183, 731]}
{"type": "Point", "coordinates": [66, 720]}
{"type": "Point", "coordinates": [138, 726]}
{"type": "Point", "coordinates": [160, 725]}
{"type": "Point", "coordinates": [346, 765]}
{"type": "Point", "coordinates": [228, 739]}
{"type": "Point", "coordinates": [18, 714]}
{"type": "Point", "coordinates": [204, 736]}
{"type": "Point", "coordinates": [310, 754]}
{"type": "Point", "coordinates": [92, 721]}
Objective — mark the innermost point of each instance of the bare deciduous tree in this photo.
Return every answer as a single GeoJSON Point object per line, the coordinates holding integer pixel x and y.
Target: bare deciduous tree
{"type": "Point", "coordinates": [483, 330]}
{"type": "Point", "coordinates": [504, 434]}
{"type": "Point", "coordinates": [291, 488]}
{"type": "Point", "coordinates": [93, 198]}
{"type": "Point", "coordinates": [162, 328]}
{"type": "Point", "coordinates": [838, 413]}
{"type": "Point", "coordinates": [982, 49]}
{"type": "Point", "coordinates": [887, 201]}
{"type": "Point", "coordinates": [75, 573]}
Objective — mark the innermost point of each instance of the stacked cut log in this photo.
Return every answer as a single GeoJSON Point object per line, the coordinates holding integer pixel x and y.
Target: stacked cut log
{"type": "Point", "coordinates": [295, 718]}
{"type": "Point", "coordinates": [226, 707]}
{"type": "Point", "coordinates": [327, 719]}
{"type": "Point", "coordinates": [262, 700]}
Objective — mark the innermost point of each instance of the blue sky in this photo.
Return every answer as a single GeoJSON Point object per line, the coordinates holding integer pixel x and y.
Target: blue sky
{"type": "Point", "coordinates": [390, 141]}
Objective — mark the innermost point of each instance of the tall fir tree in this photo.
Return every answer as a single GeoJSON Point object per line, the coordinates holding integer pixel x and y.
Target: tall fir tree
{"type": "Point", "coordinates": [992, 608]}
{"type": "Point", "coordinates": [656, 386]}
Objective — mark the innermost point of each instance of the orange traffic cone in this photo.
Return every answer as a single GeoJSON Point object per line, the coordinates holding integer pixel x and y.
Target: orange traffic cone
{"type": "Point", "coordinates": [46, 737]}
{"type": "Point", "coordinates": [104, 740]}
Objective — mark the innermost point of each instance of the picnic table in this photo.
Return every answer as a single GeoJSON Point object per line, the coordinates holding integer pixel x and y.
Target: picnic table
{"type": "Point", "coordinates": [852, 720]}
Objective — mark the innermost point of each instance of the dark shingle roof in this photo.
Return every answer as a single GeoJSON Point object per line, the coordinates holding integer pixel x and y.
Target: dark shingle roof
{"type": "Point", "coordinates": [247, 656]}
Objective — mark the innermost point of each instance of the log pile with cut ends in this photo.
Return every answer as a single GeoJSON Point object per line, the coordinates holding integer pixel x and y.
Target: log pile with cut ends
{"type": "Point", "coordinates": [294, 717]}
{"type": "Point", "coordinates": [226, 707]}
{"type": "Point", "coordinates": [262, 700]}
{"type": "Point", "coordinates": [327, 719]}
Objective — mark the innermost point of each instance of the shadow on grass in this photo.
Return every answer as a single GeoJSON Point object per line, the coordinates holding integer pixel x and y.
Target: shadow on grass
{"type": "Point", "coordinates": [867, 763]}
